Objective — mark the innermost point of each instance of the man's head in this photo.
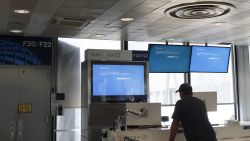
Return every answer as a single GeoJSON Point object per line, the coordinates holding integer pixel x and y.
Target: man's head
{"type": "Point", "coordinates": [185, 89]}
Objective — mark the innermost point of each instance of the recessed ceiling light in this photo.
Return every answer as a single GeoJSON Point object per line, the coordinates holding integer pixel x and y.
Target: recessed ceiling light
{"type": "Point", "coordinates": [22, 11]}
{"type": "Point", "coordinates": [170, 39]}
{"type": "Point", "coordinates": [99, 35]}
{"type": "Point", "coordinates": [127, 19]}
{"type": "Point", "coordinates": [218, 23]}
{"type": "Point", "coordinates": [16, 31]}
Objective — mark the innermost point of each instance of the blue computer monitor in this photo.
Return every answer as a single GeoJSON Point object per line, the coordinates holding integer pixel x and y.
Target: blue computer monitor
{"type": "Point", "coordinates": [210, 59]}
{"type": "Point", "coordinates": [169, 58]}
{"type": "Point", "coordinates": [118, 81]}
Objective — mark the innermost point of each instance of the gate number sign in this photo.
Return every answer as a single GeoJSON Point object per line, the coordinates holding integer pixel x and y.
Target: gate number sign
{"type": "Point", "coordinates": [25, 108]}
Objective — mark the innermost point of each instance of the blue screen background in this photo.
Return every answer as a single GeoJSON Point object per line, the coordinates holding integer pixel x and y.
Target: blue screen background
{"type": "Point", "coordinates": [118, 80]}
{"type": "Point", "coordinates": [209, 59]}
{"type": "Point", "coordinates": [167, 58]}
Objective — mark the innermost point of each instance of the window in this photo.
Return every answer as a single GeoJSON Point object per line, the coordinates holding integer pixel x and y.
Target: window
{"type": "Point", "coordinates": [223, 84]}
{"type": "Point", "coordinates": [162, 86]}
{"type": "Point", "coordinates": [224, 112]}
{"type": "Point", "coordinates": [70, 121]}
{"type": "Point", "coordinates": [133, 45]}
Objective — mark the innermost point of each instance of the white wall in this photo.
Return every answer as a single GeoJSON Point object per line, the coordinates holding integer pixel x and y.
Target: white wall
{"type": "Point", "coordinates": [68, 74]}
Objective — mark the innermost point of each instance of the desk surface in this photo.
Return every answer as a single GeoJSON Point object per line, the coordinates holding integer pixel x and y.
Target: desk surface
{"type": "Point", "coordinates": [230, 132]}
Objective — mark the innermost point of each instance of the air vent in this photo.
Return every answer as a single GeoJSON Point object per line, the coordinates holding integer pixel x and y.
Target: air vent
{"type": "Point", "coordinates": [71, 22]}
{"type": "Point", "coordinates": [200, 10]}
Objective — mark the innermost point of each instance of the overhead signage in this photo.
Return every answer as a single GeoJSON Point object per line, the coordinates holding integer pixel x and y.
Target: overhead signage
{"type": "Point", "coordinates": [28, 51]}
{"type": "Point", "coordinates": [108, 55]}
{"type": "Point", "coordinates": [139, 55]}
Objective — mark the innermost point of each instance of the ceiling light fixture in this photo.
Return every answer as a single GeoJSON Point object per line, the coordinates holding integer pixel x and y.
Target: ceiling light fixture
{"type": "Point", "coordinates": [127, 19]}
{"type": "Point", "coordinates": [200, 10]}
{"type": "Point", "coordinates": [16, 31]}
{"type": "Point", "coordinates": [22, 11]}
{"type": "Point", "coordinates": [218, 23]}
{"type": "Point", "coordinates": [99, 35]}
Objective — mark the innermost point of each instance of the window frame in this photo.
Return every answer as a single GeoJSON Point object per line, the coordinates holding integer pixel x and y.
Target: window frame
{"type": "Point", "coordinates": [187, 78]}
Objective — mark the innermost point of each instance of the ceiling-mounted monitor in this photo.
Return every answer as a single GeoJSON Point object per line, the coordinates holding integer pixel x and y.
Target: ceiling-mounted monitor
{"type": "Point", "coordinates": [116, 81]}
{"type": "Point", "coordinates": [169, 58]}
{"type": "Point", "coordinates": [210, 59]}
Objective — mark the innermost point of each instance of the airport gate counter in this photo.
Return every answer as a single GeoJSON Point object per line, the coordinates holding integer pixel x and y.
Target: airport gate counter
{"type": "Point", "coordinates": [237, 132]}
{"type": "Point", "coordinates": [115, 106]}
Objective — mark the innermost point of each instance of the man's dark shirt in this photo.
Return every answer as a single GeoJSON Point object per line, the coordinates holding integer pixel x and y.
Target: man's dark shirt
{"type": "Point", "coordinates": [192, 114]}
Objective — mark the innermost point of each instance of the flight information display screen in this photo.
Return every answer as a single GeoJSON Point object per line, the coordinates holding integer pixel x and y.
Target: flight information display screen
{"type": "Point", "coordinates": [169, 58]}
{"type": "Point", "coordinates": [210, 59]}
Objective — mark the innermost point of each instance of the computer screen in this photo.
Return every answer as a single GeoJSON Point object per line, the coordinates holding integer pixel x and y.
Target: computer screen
{"type": "Point", "coordinates": [118, 81]}
{"type": "Point", "coordinates": [210, 59]}
{"type": "Point", "coordinates": [169, 58]}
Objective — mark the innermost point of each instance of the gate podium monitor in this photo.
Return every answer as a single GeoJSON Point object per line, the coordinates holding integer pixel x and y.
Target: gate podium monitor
{"type": "Point", "coordinates": [116, 81]}
{"type": "Point", "coordinates": [210, 59]}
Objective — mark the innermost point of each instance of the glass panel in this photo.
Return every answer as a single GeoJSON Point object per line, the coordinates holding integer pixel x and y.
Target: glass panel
{"type": "Point", "coordinates": [220, 82]}
{"type": "Point", "coordinates": [197, 44]}
{"type": "Point", "coordinates": [218, 45]}
{"type": "Point", "coordinates": [69, 136]}
{"type": "Point", "coordinates": [167, 111]}
{"type": "Point", "coordinates": [224, 112]}
{"type": "Point", "coordinates": [71, 119]}
{"type": "Point", "coordinates": [69, 125]}
{"type": "Point", "coordinates": [133, 45]}
{"type": "Point", "coordinates": [162, 87]}
{"type": "Point", "coordinates": [175, 43]}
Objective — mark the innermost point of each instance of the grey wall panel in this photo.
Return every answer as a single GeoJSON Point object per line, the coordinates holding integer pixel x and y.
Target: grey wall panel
{"type": "Point", "coordinates": [35, 89]}
{"type": "Point", "coordinates": [25, 86]}
{"type": "Point", "coordinates": [84, 124]}
{"type": "Point", "coordinates": [9, 97]}
{"type": "Point", "coordinates": [68, 74]}
{"type": "Point", "coordinates": [85, 87]}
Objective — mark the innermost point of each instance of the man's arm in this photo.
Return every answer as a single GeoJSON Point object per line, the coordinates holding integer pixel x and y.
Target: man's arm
{"type": "Point", "coordinates": [173, 129]}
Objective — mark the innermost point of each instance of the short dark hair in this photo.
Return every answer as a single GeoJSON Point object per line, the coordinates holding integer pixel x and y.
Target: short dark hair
{"type": "Point", "coordinates": [186, 88]}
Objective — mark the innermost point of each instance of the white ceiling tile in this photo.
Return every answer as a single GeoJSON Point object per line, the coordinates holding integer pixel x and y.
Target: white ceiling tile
{"type": "Point", "coordinates": [82, 35]}
{"type": "Point", "coordinates": [125, 5]}
{"type": "Point", "coordinates": [69, 11]}
{"type": "Point", "coordinates": [75, 3]}
{"type": "Point", "coordinates": [4, 12]}
{"type": "Point", "coordinates": [151, 24]}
